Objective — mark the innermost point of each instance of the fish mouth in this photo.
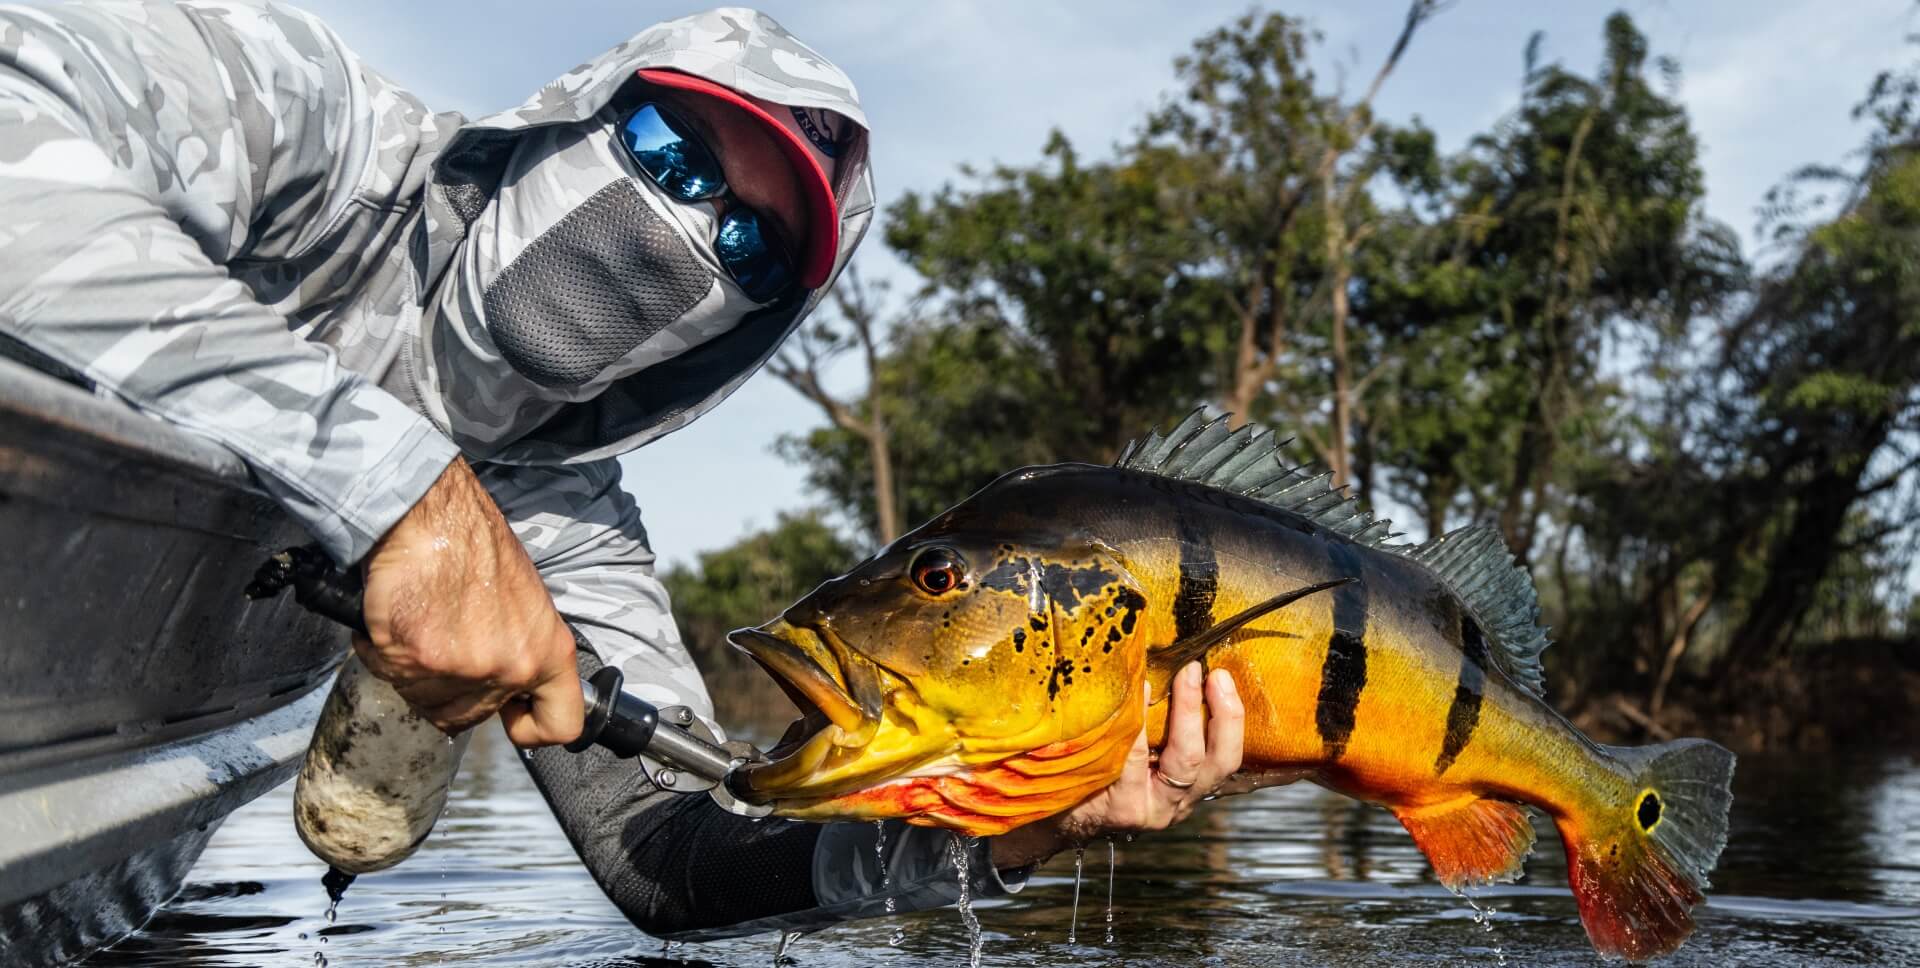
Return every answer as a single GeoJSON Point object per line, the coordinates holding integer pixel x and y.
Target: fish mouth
{"type": "Point", "coordinates": [845, 701]}
{"type": "Point", "coordinates": [805, 667]}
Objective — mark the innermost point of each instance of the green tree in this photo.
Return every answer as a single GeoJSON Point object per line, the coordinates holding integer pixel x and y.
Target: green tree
{"type": "Point", "coordinates": [1274, 172]}
{"type": "Point", "coordinates": [1825, 366]}
{"type": "Point", "coordinates": [1583, 222]}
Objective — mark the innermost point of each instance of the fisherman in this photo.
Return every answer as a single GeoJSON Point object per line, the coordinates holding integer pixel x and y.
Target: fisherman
{"type": "Point", "coordinates": [430, 337]}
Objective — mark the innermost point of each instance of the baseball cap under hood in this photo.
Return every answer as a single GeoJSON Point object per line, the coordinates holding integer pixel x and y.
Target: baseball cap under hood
{"type": "Point", "coordinates": [738, 48]}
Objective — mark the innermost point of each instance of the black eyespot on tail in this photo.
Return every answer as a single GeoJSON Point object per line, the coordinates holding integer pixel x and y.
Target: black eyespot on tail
{"type": "Point", "coordinates": [1649, 811]}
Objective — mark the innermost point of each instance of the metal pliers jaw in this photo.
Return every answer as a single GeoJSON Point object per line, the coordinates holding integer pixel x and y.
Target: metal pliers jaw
{"type": "Point", "coordinates": [686, 757]}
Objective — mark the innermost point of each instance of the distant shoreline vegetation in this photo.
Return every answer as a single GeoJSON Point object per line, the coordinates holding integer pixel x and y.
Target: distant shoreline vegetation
{"type": "Point", "coordinates": [1712, 469]}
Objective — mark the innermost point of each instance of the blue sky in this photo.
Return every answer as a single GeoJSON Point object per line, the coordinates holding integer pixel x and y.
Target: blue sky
{"type": "Point", "coordinates": [1768, 86]}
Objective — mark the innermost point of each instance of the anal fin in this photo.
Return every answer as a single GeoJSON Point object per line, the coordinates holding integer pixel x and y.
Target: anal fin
{"type": "Point", "coordinates": [1471, 841]}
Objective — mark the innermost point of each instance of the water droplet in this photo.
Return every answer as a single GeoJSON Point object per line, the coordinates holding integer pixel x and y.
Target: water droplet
{"type": "Point", "coordinates": [336, 882]}
{"type": "Point", "coordinates": [1079, 862]}
{"type": "Point", "coordinates": [1111, 861]}
{"type": "Point", "coordinates": [1483, 916]}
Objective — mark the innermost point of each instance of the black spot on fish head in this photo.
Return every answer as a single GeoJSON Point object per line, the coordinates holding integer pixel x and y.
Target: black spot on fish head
{"type": "Point", "coordinates": [1009, 575]}
{"type": "Point", "coordinates": [1067, 584]}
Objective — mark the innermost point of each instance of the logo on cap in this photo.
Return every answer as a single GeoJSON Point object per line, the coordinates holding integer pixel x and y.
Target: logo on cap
{"type": "Point", "coordinates": [817, 125]}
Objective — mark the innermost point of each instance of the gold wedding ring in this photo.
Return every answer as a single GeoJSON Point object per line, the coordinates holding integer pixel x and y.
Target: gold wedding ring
{"type": "Point", "coordinates": [1170, 781]}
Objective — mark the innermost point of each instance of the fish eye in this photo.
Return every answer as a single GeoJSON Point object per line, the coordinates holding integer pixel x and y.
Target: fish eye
{"type": "Point", "coordinates": [937, 570]}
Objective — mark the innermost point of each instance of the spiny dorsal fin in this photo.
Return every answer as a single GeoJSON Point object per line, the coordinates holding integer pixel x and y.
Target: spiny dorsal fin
{"type": "Point", "coordinates": [1476, 564]}
{"type": "Point", "coordinates": [1247, 462]}
{"type": "Point", "coordinates": [1473, 562]}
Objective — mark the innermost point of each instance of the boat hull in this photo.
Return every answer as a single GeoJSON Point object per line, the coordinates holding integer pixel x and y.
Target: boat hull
{"type": "Point", "coordinates": [142, 696]}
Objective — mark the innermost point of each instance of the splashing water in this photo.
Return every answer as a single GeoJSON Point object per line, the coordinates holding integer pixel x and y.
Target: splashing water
{"type": "Point", "coordinates": [959, 851]}
{"type": "Point", "coordinates": [880, 855]}
{"type": "Point", "coordinates": [780, 956]}
{"type": "Point", "coordinates": [1073, 924]}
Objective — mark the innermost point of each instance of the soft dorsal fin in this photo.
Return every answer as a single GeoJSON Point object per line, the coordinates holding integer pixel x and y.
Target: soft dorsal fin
{"type": "Point", "coordinates": [1473, 562]}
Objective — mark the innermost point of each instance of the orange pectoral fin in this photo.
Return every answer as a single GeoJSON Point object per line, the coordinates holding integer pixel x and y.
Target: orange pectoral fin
{"type": "Point", "coordinates": [1473, 841]}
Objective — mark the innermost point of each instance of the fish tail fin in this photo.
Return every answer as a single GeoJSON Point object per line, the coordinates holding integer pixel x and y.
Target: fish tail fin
{"type": "Point", "coordinates": [1638, 866]}
{"type": "Point", "coordinates": [1473, 841]}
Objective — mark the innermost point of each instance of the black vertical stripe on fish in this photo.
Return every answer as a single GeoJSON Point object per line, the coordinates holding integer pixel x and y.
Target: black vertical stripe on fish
{"type": "Point", "coordinates": [1464, 714]}
{"type": "Point", "coordinates": [1343, 676]}
{"type": "Point", "coordinates": [1199, 579]}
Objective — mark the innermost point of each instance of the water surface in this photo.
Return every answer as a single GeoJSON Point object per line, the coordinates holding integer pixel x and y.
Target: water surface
{"type": "Point", "coordinates": [1823, 869]}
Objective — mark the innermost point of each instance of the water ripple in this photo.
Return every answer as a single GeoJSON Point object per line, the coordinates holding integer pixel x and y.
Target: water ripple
{"type": "Point", "coordinates": [1823, 869]}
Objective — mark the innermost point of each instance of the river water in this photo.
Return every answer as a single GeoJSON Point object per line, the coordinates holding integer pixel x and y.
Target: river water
{"type": "Point", "coordinates": [1823, 869]}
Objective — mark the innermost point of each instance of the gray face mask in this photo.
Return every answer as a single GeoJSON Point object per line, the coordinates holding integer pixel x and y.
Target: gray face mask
{"type": "Point", "coordinates": [577, 273]}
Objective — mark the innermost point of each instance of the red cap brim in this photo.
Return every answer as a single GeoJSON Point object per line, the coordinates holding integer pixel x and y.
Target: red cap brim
{"type": "Point", "coordinates": [823, 215]}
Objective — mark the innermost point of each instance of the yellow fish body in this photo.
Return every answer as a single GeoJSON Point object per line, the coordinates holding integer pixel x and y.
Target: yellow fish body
{"type": "Point", "coordinates": [986, 671]}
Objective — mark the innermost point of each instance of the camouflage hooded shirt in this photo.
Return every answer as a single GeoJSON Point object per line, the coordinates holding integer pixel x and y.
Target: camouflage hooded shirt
{"type": "Point", "coordinates": [218, 214]}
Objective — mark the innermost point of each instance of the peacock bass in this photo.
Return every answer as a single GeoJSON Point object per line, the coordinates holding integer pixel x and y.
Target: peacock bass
{"type": "Point", "coordinates": [986, 671]}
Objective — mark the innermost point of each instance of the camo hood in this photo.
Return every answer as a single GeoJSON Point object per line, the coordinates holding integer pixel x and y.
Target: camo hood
{"type": "Point", "coordinates": [507, 182]}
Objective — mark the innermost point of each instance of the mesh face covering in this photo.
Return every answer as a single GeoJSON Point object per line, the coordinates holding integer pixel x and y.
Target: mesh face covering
{"type": "Point", "coordinates": [577, 272]}
{"type": "Point", "coordinates": [608, 276]}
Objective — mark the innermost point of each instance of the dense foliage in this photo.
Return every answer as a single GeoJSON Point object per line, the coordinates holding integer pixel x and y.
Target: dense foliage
{"type": "Point", "coordinates": [1709, 467]}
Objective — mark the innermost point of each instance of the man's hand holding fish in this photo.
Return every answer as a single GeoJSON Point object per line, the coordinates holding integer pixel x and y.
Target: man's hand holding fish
{"type": "Point", "coordinates": [1204, 737]}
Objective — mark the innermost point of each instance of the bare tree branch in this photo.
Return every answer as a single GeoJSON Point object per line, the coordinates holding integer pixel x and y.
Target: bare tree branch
{"type": "Point", "coordinates": [800, 364]}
